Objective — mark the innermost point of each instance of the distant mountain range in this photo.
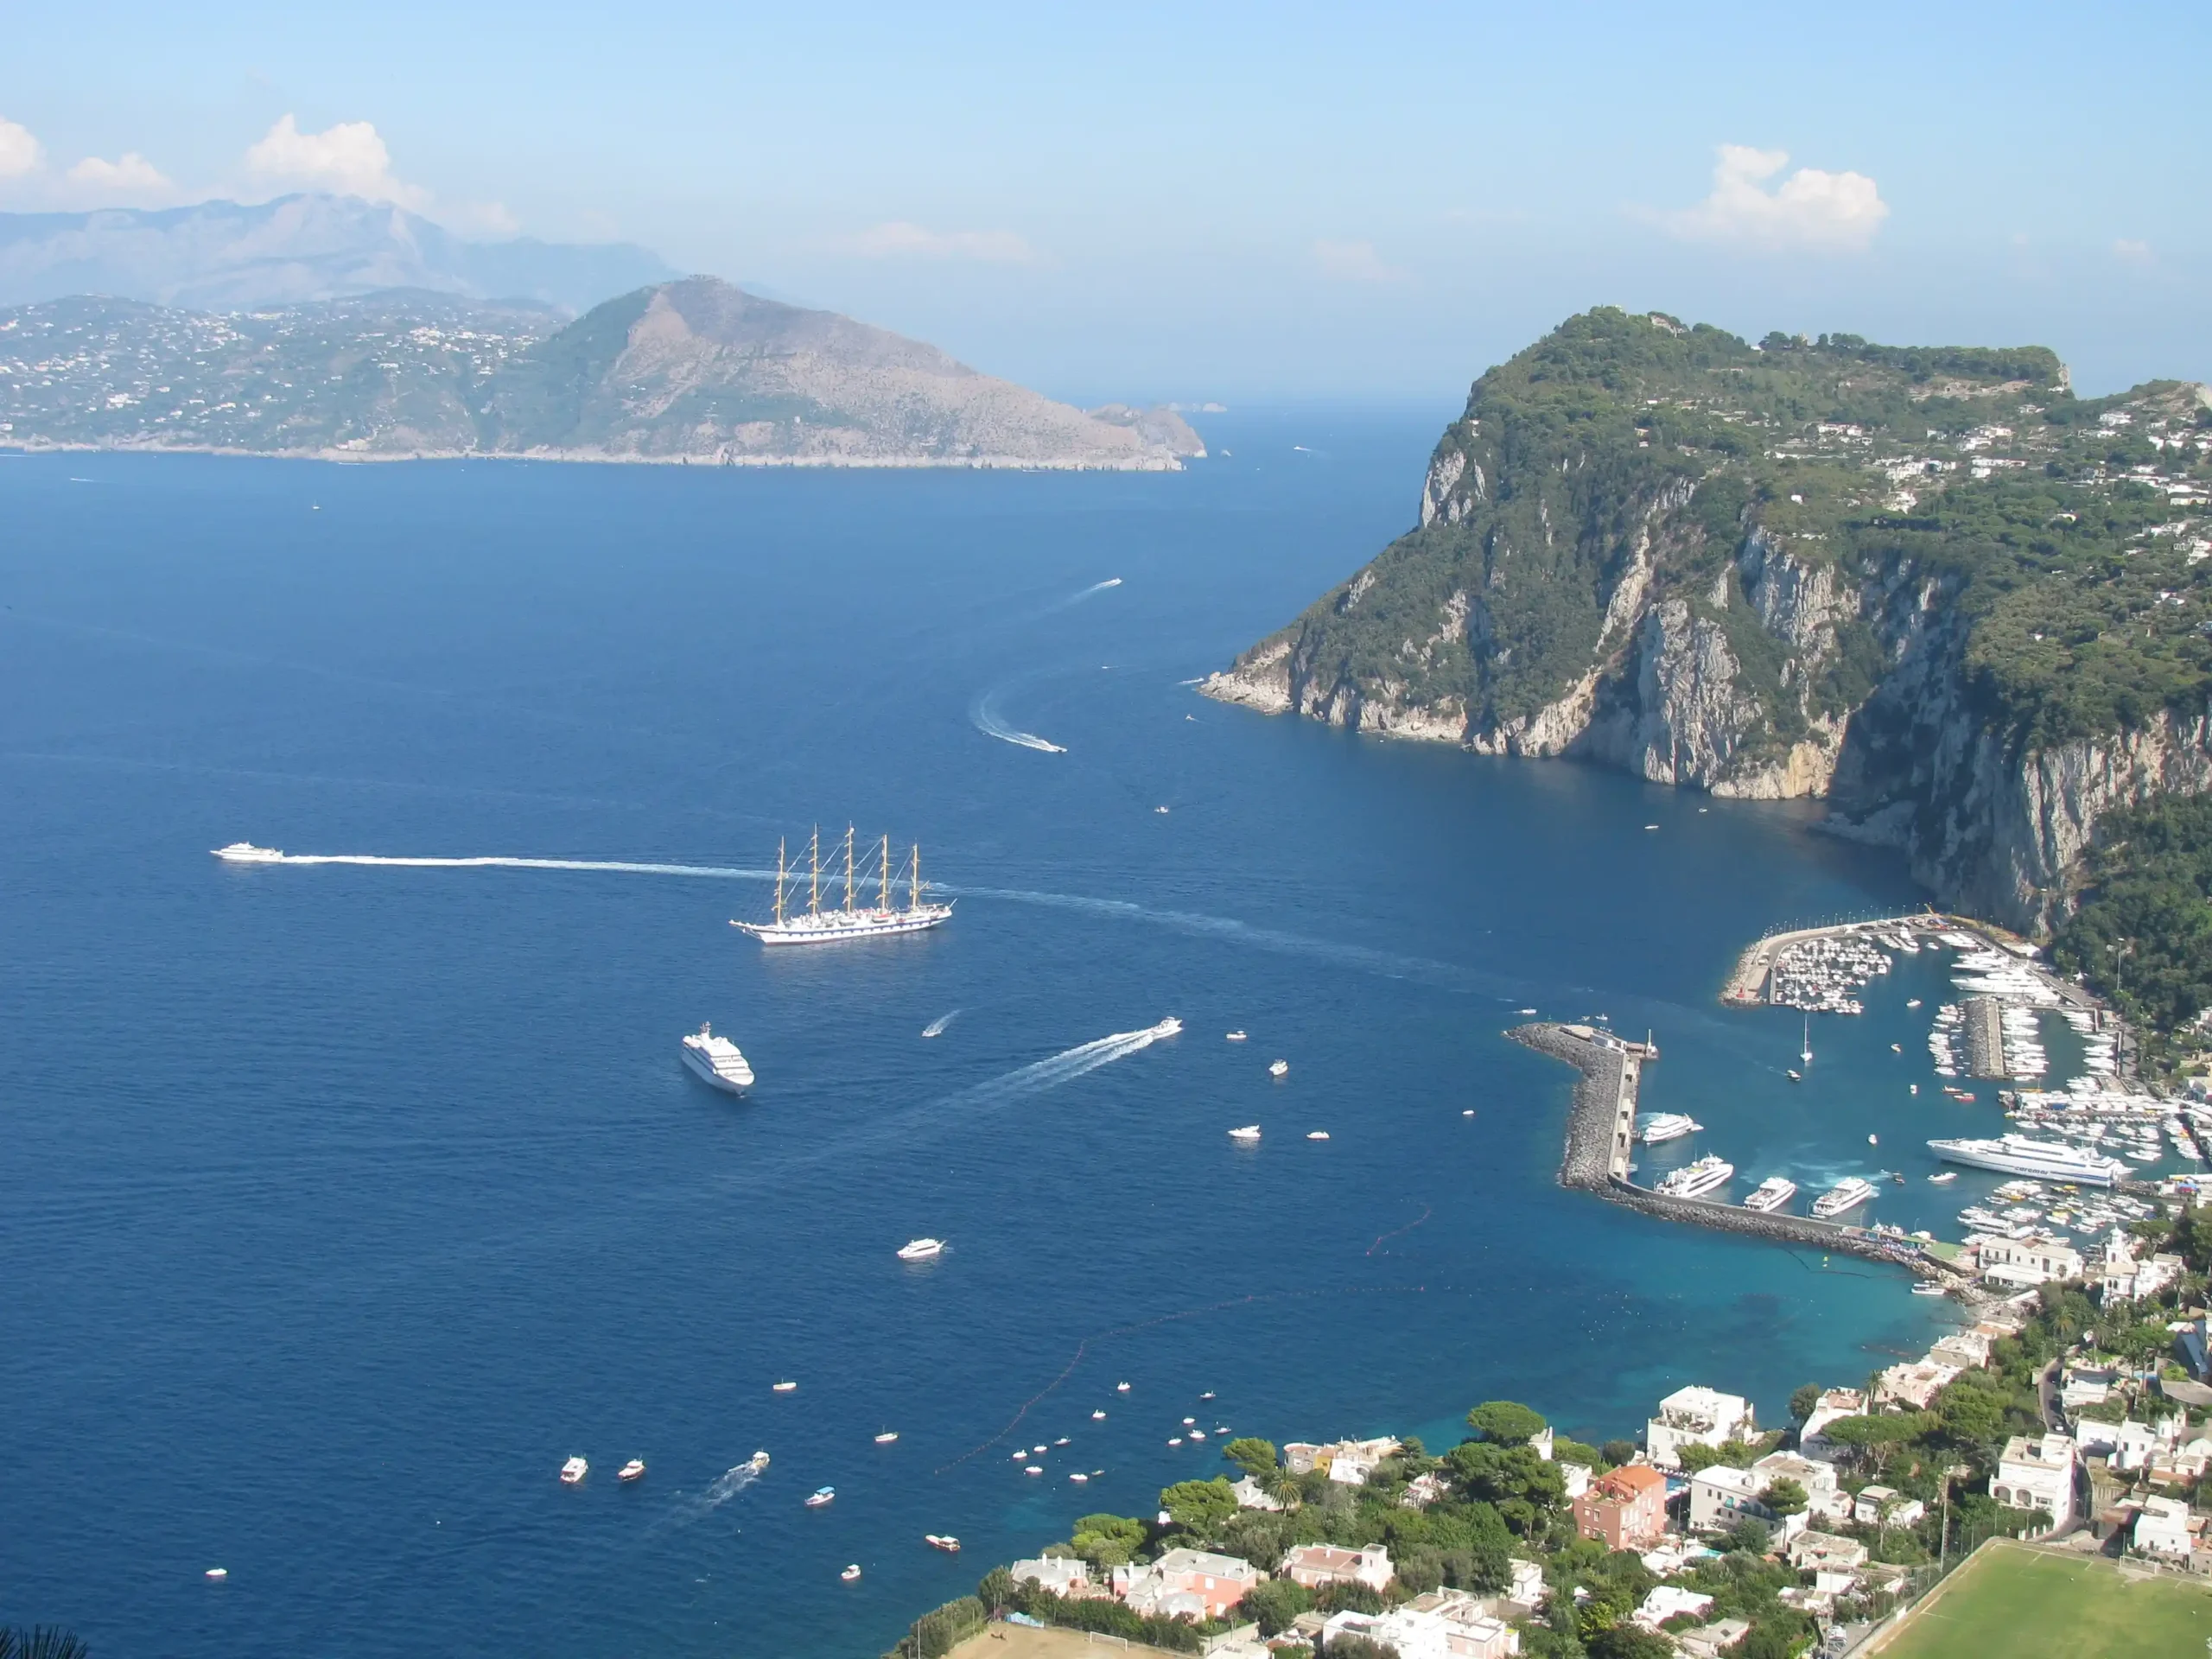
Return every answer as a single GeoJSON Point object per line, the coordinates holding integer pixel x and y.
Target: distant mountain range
{"type": "Point", "coordinates": [223, 255]}
{"type": "Point", "coordinates": [690, 371]}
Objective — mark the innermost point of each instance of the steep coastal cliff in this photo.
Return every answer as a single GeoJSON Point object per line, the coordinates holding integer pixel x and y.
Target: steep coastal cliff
{"type": "Point", "coordinates": [1931, 586]}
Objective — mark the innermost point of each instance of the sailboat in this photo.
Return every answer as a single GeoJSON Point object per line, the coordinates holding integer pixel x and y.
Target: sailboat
{"type": "Point", "coordinates": [816, 926]}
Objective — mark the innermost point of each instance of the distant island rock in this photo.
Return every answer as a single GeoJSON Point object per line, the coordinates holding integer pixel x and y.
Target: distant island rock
{"type": "Point", "coordinates": [694, 372]}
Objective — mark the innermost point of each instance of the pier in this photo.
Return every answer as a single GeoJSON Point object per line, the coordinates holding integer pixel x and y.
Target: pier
{"type": "Point", "coordinates": [1601, 1135]}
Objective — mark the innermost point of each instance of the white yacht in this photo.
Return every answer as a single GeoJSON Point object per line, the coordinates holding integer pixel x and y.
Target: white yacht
{"type": "Point", "coordinates": [634, 1470]}
{"type": "Point", "coordinates": [2049, 1160]}
{"type": "Point", "coordinates": [1278, 1068]}
{"type": "Point", "coordinates": [716, 1062]}
{"type": "Point", "coordinates": [245, 852]}
{"type": "Point", "coordinates": [1695, 1180]}
{"type": "Point", "coordinates": [1666, 1126]}
{"type": "Point", "coordinates": [1236, 1036]}
{"type": "Point", "coordinates": [574, 1471]}
{"type": "Point", "coordinates": [1847, 1194]}
{"type": "Point", "coordinates": [1250, 1133]}
{"type": "Point", "coordinates": [816, 926]}
{"type": "Point", "coordinates": [921, 1249]}
{"type": "Point", "coordinates": [1772, 1193]}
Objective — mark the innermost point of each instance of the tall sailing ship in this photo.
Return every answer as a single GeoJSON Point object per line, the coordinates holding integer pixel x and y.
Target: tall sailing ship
{"type": "Point", "coordinates": [817, 926]}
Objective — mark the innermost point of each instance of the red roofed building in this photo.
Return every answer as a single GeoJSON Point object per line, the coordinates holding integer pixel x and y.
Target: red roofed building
{"type": "Point", "coordinates": [1625, 1510]}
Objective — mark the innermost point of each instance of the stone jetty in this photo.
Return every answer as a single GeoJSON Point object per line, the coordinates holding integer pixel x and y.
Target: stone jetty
{"type": "Point", "coordinates": [1601, 1135]}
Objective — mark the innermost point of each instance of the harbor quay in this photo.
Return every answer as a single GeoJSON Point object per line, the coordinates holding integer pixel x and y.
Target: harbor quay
{"type": "Point", "coordinates": [1601, 1135]}
{"type": "Point", "coordinates": [1752, 984]}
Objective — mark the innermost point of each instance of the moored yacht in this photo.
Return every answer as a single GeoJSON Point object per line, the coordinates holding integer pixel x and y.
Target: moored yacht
{"type": "Point", "coordinates": [2019, 1154]}
{"type": "Point", "coordinates": [1250, 1133]}
{"type": "Point", "coordinates": [1772, 1194]}
{"type": "Point", "coordinates": [574, 1471]}
{"type": "Point", "coordinates": [1847, 1194]}
{"type": "Point", "coordinates": [634, 1470]}
{"type": "Point", "coordinates": [1695, 1180]}
{"type": "Point", "coordinates": [921, 1249]}
{"type": "Point", "coordinates": [716, 1062]}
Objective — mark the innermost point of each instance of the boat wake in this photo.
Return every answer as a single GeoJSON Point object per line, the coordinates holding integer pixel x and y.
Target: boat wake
{"type": "Point", "coordinates": [692, 1507]}
{"type": "Point", "coordinates": [1064, 1067]}
{"type": "Point", "coordinates": [942, 1024]}
{"type": "Point", "coordinates": [724, 872]}
{"type": "Point", "coordinates": [1074, 600]}
{"type": "Point", "coordinates": [988, 720]}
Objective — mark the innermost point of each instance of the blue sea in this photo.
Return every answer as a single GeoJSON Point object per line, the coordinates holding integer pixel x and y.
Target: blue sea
{"type": "Point", "coordinates": [340, 1203]}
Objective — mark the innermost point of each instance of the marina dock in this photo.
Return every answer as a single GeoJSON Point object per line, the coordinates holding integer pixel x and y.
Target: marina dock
{"type": "Point", "coordinates": [1601, 1135]}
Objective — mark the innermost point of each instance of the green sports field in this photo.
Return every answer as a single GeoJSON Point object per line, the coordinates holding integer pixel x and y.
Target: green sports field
{"type": "Point", "coordinates": [2012, 1602]}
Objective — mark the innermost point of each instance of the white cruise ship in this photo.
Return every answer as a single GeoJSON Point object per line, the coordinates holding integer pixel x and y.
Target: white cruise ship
{"type": "Point", "coordinates": [245, 852]}
{"type": "Point", "coordinates": [816, 926]}
{"type": "Point", "coordinates": [716, 1062]}
{"type": "Point", "coordinates": [2045, 1160]}
{"type": "Point", "coordinates": [1666, 1126]}
{"type": "Point", "coordinates": [1847, 1194]}
{"type": "Point", "coordinates": [1695, 1180]}
{"type": "Point", "coordinates": [1773, 1192]}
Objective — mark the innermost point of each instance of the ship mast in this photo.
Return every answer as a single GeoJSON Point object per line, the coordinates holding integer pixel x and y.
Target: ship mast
{"type": "Point", "coordinates": [779, 880]}
{"type": "Point", "coordinates": [914, 892]}
{"type": "Point", "coordinates": [814, 872]}
{"type": "Point", "coordinates": [848, 868]}
{"type": "Point", "coordinates": [883, 876]}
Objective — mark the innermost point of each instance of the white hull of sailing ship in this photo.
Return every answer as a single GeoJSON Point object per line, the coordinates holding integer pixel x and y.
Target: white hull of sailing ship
{"type": "Point", "coordinates": [816, 926]}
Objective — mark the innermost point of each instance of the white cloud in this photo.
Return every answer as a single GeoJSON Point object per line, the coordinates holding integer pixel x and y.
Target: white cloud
{"type": "Point", "coordinates": [1808, 209]}
{"type": "Point", "coordinates": [1354, 261]}
{"type": "Point", "coordinates": [901, 240]}
{"type": "Point", "coordinates": [349, 158]}
{"type": "Point", "coordinates": [2136, 253]}
{"type": "Point", "coordinates": [130, 174]}
{"type": "Point", "coordinates": [20, 152]}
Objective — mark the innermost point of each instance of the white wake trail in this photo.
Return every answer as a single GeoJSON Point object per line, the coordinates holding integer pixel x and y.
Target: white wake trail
{"type": "Point", "coordinates": [1066, 1066]}
{"type": "Point", "coordinates": [988, 720]}
{"type": "Point", "coordinates": [696, 1506]}
{"type": "Point", "coordinates": [722, 872]}
{"type": "Point", "coordinates": [939, 1026]}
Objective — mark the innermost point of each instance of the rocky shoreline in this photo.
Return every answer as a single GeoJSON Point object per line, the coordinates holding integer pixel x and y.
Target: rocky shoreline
{"type": "Point", "coordinates": [1594, 1126]}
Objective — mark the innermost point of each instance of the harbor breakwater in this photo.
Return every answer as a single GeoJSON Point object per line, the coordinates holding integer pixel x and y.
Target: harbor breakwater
{"type": "Point", "coordinates": [1600, 1130]}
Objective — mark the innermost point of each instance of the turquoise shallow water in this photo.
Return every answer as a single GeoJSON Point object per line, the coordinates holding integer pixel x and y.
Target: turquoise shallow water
{"type": "Point", "coordinates": [341, 1204]}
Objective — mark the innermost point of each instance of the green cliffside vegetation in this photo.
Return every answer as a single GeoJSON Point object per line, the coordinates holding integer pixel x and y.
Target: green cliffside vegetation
{"type": "Point", "coordinates": [1931, 585]}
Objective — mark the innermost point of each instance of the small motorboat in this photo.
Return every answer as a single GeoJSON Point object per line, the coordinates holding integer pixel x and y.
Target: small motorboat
{"type": "Point", "coordinates": [574, 1471]}
{"type": "Point", "coordinates": [886, 1437]}
{"type": "Point", "coordinates": [1187, 1421]}
{"type": "Point", "coordinates": [1928, 1290]}
{"type": "Point", "coordinates": [1037, 1451]}
{"type": "Point", "coordinates": [851, 1572]}
{"type": "Point", "coordinates": [1794, 1077]}
{"type": "Point", "coordinates": [1896, 1048]}
{"type": "Point", "coordinates": [1250, 1133]}
{"type": "Point", "coordinates": [821, 1495]}
{"type": "Point", "coordinates": [1651, 826]}
{"type": "Point", "coordinates": [1318, 1135]}
{"type": "Point", "coordinates": [1914, 1087]}
{"type": "Point", "coordinates": [1062, 1440]}
{"type": "Point", "coordinates": [1525, 1013]}
{"type": "Point", "coordinates": [1177, 1441]}
{"type": "Point", "coordinates": [1198, 1433]}
{"type": "Point", "coordinates": [1032, 1469]}
{"type": "Point", "coordinates": [1208, 1394]}
{"type": "Point", "coordinates": [1279, 1068]}
{"type": "Point", "coordinates": [784, 1387]}
{"type": "Point", "coordinates": [1897, 1178]}
{"type": "Point", "coordinates": [1079, 1477]}
{"type": "Point", "coordinates": [1912, 1002]}
{"type": "Point", "coordinates": [1469, 1112]}
{"type": "Point", "coordinates": [1120, 1388]}
{"type": "Point", "coordinates": [757, 1462]}
{"type": "Point", "coordinates": [219, 1573]}
{"type": "Point", "coordinates": [1098, 1416]}
{"type": "Point", "coordinates": [1873, 1140]}
{"type": "Point", "coordinates": [634, 1470]}
{"type": "Point", "coordinates": [1943, 1176]}
{"type": "Point", "coordinates": [1159, 809]}
{"type": "Point", "coordinates": [945, 1542]}
{"type": "Point", "coordinates": [921, 1249]}
{"type": "Point", "coordinates": [1236, 1036]}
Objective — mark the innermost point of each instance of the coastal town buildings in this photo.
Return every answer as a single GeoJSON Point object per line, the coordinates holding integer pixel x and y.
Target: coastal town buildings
{"type": "Point", "coordinates": [1824, 1498]}
{"type": "Point", "coordinates": [1833, 1403]}
{"type": "Point", "coordinates": [1721, 1496]}
{"type": "Point", "coordinates": [1415, 1632]}
{"type": "Point", "coordinates": [1834, 1562]}
{"type": "Point", "coordinates": [1315, 1565]}
{"type": "Point", "coordinates": [1351, 1462]}
{"type": "Point", "coordinates": [1883, 1506]}
{"type": "Point", "coordinates": [1625, 1508]}
{"type": "Point", "coordinates": [1668, 1601]}
{"type": "Point", "coordinates": [1914, 1383]}
{"type": "Point", "coordinates": [1696, 1416]}
{"type": "Point", "coordinates": [2126, 1277]}
{"type": "Point", "coordinates": [1062, 1576]}
{"type": "Point", "coordinates": [2038, 1473]}
{"type": "Point", "coordinates": [2163, 1530]}
{"type": "Point", "coordinates": [1195, 1581]}
{"type": "Point", "coordinates": [2022, 1262]}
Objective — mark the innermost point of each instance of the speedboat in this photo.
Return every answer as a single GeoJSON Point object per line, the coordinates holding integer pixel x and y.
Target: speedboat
{"type": "Point", "coordinates": [1062, 1440]}
{"type": "Point", "coordinates": [634, 1470]}
{"type": "Point", "coordinates": [757, 1462]}
{"type": "Point", "coordinates": [945, 1542]}
{"type": "Point", "coordinates": [820, 1496]}
{"type": "Point", "coordinates": [1032, 1469]}
{"type": "Point", "coordinates": [245, 852]}
{"type": "Point", "coordinates": [1208, 1394]}
{"type": "Point", "coordinates": [574, 1471]}
{"type": "Point", "coordinates": [1928, 1290]}
{"type": "Point", "coordinates": [850, 1573]}
{"type": "Point", "coordinates": [1912, 1002]}
{"type": "Point", "coordinates": [1187, 1421]}
{"type": "Point", "coordinates": [1079, 1477]}
{"type": "Point", "coordinates": [1279, 1068]}
{"type": "Point", "coordinates": [1198, 1433]}
{"type": "Point", "coordinates": [1318, 1135]}
{"type": "Point", "coordinates": [1526, 1013]}
{"type": "Point", "coordinates": [1120, 1388]}
{"type": "Point", "coordinates": [219, 1573]}
{"type": "Point", "coordinates": [886, 1437]}
{"type": "Point", "coordinates": [784, 1387]}
{"type": "Point", "coordinates": [1236, 1037]}
{"type": "Point", "coordinates": [1249, 1133]}
{"type": "Point", "coordinates": [920, 1249]}
{"type": "Point", "coordinates": [1793, 1077]}
{"type": "Point", "coordinates": [1177, 1441]}
{"type": "Point", "coordinates": [1098, 1416]}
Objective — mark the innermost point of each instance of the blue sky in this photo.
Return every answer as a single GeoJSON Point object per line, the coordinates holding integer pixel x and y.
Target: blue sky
{"type": "Point", "coordinates": [1237, 201]}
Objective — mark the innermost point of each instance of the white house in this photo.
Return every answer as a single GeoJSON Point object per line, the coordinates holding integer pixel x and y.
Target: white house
{"type": "Point", "coordinates": [2126, 1277]}
{"type": "Point", "coordinates": [1915, 1382]}
{"type": "Point", "coordinates": [1877, 1506]}
{"type": "Point", "coordinates": [1315, 1565]}
{"type": "Point", "coordinates": [1415, 1635]}
{"type": "Point", "coordinates": [2162, 1528]}
{"type": "Point", "coordinates": [1250, 1497]}
{"type": "Point", "coordinates": [1062, 1577]}
{"type": "Point", "coordinates": [2031, 1260]}
{"type": "Point", "coordinates": [1666, 1601]}
{"type": "Point", "coordinates": [1696, 1416]}
{"type": "Point", "coordinates": [1833, 1403]}
{"type": "Point", "coordinates": [1472, 1629]}
{"type": "Point", "coordinates": [1967, 1349]}
{"type": "Point", "coordinates": [1720, 1497]}
{"type": "Point", "coordinates": [2036, 1474]}
{"type": "Point", "coordinates": [1824, 1499]}
{"type": "Point", "coordinates": [2127, 1443]}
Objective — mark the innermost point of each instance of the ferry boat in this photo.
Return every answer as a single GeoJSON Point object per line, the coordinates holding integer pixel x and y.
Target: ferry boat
{"type": "Point", "coordinates": [1847, 1194]}
{"type": "Point", "coordinates": [1695, 1180]}
{"type": "Point", "coordinates": [574, 1471]}
{"type": "Point", "coordinates": [2019, 1154]}
{"type": "Point", "coordinates": [921, 1249]}
{"type": "Point", "coordinates": [634, 1470]}
{"type": "Point", "coordinates": [716, 1061]}
{"type": "Point", "coordinates": [245, 852]}
{"type": "Point", "coordinates": [1772, 1193]}
{"type": "Point", "coordinates": [815, 926]}
{"type": "Point", "coordinates": [1667, 1126]}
